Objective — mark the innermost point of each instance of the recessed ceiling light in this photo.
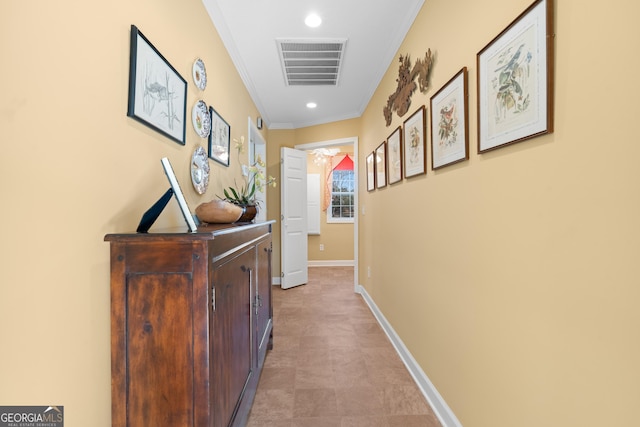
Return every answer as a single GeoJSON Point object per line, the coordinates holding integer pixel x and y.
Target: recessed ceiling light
{"type": "Point", "coordinates": [313, 20]}
{"type": "Point", "coordinates": [311, 105]}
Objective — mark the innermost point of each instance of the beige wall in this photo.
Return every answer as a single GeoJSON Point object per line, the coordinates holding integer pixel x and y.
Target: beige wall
{"type": "Point", "coordinates": [75, 168]}
{"type": "Point", "coordinates": [512, 278]}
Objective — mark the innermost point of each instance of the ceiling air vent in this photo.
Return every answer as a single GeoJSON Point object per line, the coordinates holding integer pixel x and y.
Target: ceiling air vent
{"type": "Point", "coordinates": [311, 62]}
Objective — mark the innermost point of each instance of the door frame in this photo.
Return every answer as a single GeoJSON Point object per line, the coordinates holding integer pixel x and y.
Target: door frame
{"type": "Point", "coordinates": [258, 146]}
{"type": "Point", "coordinates": [353, 141]}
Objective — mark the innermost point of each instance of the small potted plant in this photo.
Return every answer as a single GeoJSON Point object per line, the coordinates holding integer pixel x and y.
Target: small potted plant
{"type": "Point", "coordinates": [239, 203]}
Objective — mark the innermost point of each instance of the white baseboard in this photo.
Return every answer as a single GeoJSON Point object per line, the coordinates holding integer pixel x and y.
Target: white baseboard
{"type": "Point", "coordinates": [443, 412]}
{"type": "Point", "coordinates": [332, 263]}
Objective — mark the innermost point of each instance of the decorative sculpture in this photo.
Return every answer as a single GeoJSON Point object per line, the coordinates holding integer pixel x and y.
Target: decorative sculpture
{"type": "Point", "coordinates": [400, 100]}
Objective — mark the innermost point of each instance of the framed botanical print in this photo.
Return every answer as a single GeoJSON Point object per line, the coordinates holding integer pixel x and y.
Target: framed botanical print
{"type": "Point", "coordinates": [449, 124]}
{"type": "Point", "coordinates": [414, 132]}
{"type": "Point", "coordinates": [219, 138]}
{"type": "Point", "coordinates": [394, 156]}
{"type": "Point", "coordinates": [515, 80]}
{"type": "Point", "coordinates": [157, 92]}
{"type": "Point", "coordinates": [371, 172]}
{"type": "Point", "coordinates": [381, 166]}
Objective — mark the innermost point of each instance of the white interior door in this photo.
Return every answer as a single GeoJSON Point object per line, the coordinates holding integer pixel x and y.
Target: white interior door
{"type": "Point", "coordinates": [293, 205]}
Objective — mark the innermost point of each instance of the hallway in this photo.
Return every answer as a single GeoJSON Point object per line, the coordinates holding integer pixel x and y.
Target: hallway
{"type": "Point", "coordinates": [332, 365]}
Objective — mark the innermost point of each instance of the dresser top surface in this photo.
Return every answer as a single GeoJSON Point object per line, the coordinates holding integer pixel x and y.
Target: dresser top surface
{"type": "Point", "coordinates": [204, 232]}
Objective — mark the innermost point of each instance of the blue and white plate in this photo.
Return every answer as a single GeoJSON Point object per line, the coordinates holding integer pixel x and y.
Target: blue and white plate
{"type": "Point", "coordinates": [199, 74]}
{"type": "Point", "coordinates": [201, 119]}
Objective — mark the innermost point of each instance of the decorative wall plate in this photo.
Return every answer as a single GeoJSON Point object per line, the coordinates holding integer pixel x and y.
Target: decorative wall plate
{"type": "Point", "coordinates": [201, 119]}
{"type": "Point", "coordinates": [199, 74]}
{"type": "Point", "coordinates": [200, 170]}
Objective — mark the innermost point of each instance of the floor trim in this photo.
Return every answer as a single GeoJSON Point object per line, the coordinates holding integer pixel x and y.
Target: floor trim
{"type": "Point", "coordinates": [332, 263]}
{"type": "Point", "coordinates": [443, 412]}
{"type": "Point", "coordinates": [276, 280]}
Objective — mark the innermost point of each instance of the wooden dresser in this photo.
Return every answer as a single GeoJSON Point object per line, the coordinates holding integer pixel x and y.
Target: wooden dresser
{"type": "Point", "coordinates": [191, 322]}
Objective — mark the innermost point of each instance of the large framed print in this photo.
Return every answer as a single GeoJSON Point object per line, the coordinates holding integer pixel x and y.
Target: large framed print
{"type": "Point", "coordinates": [219, 138]}
{"type": "Point", "coordinates": [157, 92]}
{"type": "Point", "coordinates": [414, 132]}
{"type": "Point", "coordinates": [449, 123]}
{"type": "Point", "coordinates": [515, 80]}
{"type": "Point", "coordinates": [394, 156]}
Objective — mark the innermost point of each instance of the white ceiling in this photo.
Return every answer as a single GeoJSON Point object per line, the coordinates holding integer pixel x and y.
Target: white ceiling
{"type": "Point", "coordinates": [374, 30]}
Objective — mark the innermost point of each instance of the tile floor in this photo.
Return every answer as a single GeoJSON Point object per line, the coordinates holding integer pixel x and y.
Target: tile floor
{"type": "Point", "coordinates": [332, 365]}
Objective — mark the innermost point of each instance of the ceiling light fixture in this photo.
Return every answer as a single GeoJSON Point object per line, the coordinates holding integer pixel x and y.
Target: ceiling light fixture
{"type": "Point", "coordinates": [321, 155]}
{"type": "Point", "coordinates": [313, 20]}
{"type": "Point", "coordinates": [311, 105]}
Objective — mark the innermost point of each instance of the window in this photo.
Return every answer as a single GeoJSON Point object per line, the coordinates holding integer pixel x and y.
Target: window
{"type": "Point", "coordinates": [342, 196]}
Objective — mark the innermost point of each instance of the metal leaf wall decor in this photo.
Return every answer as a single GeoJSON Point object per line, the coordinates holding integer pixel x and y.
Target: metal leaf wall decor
{"type": "Point", "coordinates": [400, 100]}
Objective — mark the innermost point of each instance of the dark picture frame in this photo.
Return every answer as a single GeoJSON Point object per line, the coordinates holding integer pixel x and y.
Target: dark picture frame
{"type": "Point", "coordinates": [219, 138]}
{"type": "Point", "coordinates": [371, 171]}
{"type": "Point", "coordinates": [157, 92]}
{"type": "Point", "coordinates": [381, 165]}
{"type": "Point", "coordinates": [515, 80]}
{"type": "Point", "coordinates": [394, 156]}
{"type": "Point", "coordinates": [449, 122]}
{"type": "Point", "coordinates": [414, 134]}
